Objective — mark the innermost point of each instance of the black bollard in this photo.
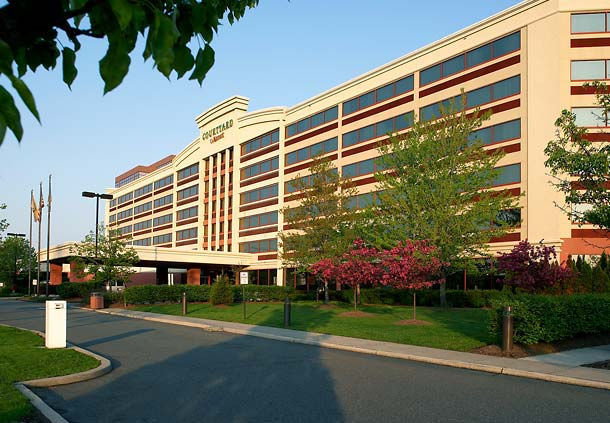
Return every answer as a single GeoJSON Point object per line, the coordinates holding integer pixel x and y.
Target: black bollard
{"type": "Point", "coordinates": [184, 307]}
{"type": "Point", "coordinates": [507, 329]}
{"type": "Point", "coordinates": [287, 312]}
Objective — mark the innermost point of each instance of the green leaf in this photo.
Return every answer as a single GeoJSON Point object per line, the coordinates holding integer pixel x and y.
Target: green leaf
{"type": "Point", "coordinates": [203, 63]}
{"type": "Point", "coordinates": [69, 70]}
{"type": "Point", "coordinates": [163, 45]}
{"type": "Point", "coordinates": [2, 128]}
{"type": "Point", "coordinates": [123, 11]}
{"type": "Point", "coordinates": [26, 95]}
{"type": "Point", "coordinates": [6, 58]}
{"type": "Point", "coordinates": [113, 67]}
{"type": "Point", "coordinates": [21, 61]}
{"type": "Point", "coordinates": [183, 60]}
{"type": "Point", "coordinates": [10, 113]}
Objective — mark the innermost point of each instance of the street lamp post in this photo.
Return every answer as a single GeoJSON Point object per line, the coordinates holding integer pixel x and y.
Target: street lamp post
{"type": "Point", "coordinates": [16, 235]}
{"type": "Point", "coordinates": [97, 197]}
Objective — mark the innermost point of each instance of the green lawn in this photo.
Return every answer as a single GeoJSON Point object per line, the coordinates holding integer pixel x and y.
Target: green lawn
{"type": "Point", "coordinates": [23, 357]}
{"type": "Point", "coordinates": [452, 329]}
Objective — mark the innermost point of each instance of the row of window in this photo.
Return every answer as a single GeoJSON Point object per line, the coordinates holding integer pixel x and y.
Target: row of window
{"type": "Point", "coordinates": [162, 239]}
{"type": "Point", "coordinates": [129, 179]}
{"type": "Point", "coordinates": [168, 199]}
{"type": "Point", "coordinates": [510, 174]}
{"type": "Point", "coordinates": [162, 220]}
{"type": "Point", "coordinates": [303, 181]}
{"type": "Point", "coordinates": [471, 58]}
{"type": "Point", "coordinates": [255, 221]}
{"type": "Point", "coordinates": [186, 234]}
{"type": "Point", "coordinates": [142, 190]}
{"type": "Point", "coordinates": [142, 242]}
{"type": "Point", "coordinates": [361, 168]}
{"type": "Point", "coordinates": [308, 152]}
{"type": "Point", "coordinates": [189, 171]}
{"type": "Point", "coordinates": [594, 117]}
{"type": "Point", "coordinates": [258, 194]}
{"type": "Point", "coordinates": [262, 246]}
{"type": "Point", "coordinates": [142, 225]}
{"type": "Point", "coordinates": [142, 208]}
{"type": "Point", "coordinates": [362, 201]}
{"type": "Point", "coordinates": [312, 121]}
{"type": "Point", "coordinates": [474, 98]}
{"type": "Point", "coordinates": [125, 230]}
{"type": "Point", "coordinates": [112, 218]}
{"type": "Point", "coordinates": [260, 142]}
{"type": "Point", "coordinates": [394, 124]}
{"type": "Point", "coordinates": [590, 22]}
{"type": "Point", "coordinates": [590, 70]}
{"type": "Point", "coordinates": [260, 168]}
{"type": "Point", "coordinates": [168, 180]}
{"type": "Point", "coordinates": [124, 214]}
{"type": "Point", "coordinates": [377, 96]}
{"type": "Point", "coordinates": [186, 213]}
{"type": "Point", "coordinates": [498, 133]}
{"type": "Point", "coordinates": [188, 192]}
{"type": "Point", "coordinates": [125, 198]}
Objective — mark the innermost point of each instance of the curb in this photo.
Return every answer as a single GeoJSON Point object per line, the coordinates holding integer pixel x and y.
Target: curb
{"type": "Point", "coordinates": [52, 415]}
{"type": "Point", "coordinates": [548, 377]}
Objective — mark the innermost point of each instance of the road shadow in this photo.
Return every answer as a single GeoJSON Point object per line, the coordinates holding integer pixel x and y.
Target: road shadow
{"type": "Point", "coordinates": [113, 337]}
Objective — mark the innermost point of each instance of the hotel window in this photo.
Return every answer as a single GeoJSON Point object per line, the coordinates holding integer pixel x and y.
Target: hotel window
{"type": "Point", "coordinates": [162, 220]}
{"type": "Point", "coordinates": [590, 70]}
{"type": "Point", "coordinates": [510, 174]}
{"type": "Point", "coordinates": [124, 214]}
{"type": "Point", "coordinates": [162, 239]}
{"type": "Point", "coordinates": [142, 242]}
{"type": "Point", "coordinates": [262, 246]}
{"type": "Point", "coordinates": [510, 217]}
{"type": "Point", "coordinates": [142, 191]}
{"type": "Point", "coordinates": [186, 213]}
{"type": "Point", "coordinates": [590, 117]}
{"type": "Point", "coordinates": [142, 208]}
{"type": "Point", "coordinates": [474, 98]}
{"type": "Point", "coordinates": [472, 58]}
{"type": "Point", "coordinates": [142, 225]}
{"type": "Point", "coordinates": [112, 218]}
{"type": "Point", "coordinates": [186, 234]}
{"type": "Point", "coordinates": [590, 22]}
{"type": "Point", "coordinates": [397, 123]}
{"type": "Point", "coordinates": [311, 151]}
{"type": "Point", "coordinates": [168, 199]}
{"type": "Point", "coordinates": [259, 194]}
{"type": "Point", "coordinates": [312, 121]}
{"type": "Point", "coordinates": [188, 192]}
{"type": "Point", "coordinates": [260, 168]}
{"type": "Point", "coordinates": [125, 230]}
{"type": "Point", "coordinates": [377, 96]}
{"type": "Point", "coordinates": [362, 201]}
{"type": "Point", "coordinates": [189, 171]}
{"type": "Point", "coordinates": [168, 180]}
{"type": "Point", "coordinates": [361, 168]}
{"type": "Point", "coordinates": [498, 133]}
{"type": "Point", "coordinates": [307, 181]}
{"type": "Point", "coordinates": [113, 203]}
{"type": "Point", "coordinates": [126, 197]}
{"type": "Point", "coordinates": [260, 142]}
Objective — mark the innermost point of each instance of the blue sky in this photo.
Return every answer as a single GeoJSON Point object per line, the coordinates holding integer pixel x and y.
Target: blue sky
{"type": "Point", "coordinates": [280, 54]}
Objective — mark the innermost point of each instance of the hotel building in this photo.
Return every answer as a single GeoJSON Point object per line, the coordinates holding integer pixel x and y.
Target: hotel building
{"type": "Point", "coordinates": [222, 194]}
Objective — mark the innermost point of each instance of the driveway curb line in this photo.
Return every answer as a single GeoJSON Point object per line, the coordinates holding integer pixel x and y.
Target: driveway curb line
{"type": "Point", "coordinates": [43, 407]}
{"type": "Point", "coordinates": [548, 377]}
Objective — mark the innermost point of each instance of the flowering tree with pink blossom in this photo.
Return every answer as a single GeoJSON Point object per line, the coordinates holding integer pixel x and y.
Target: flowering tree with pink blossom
{"type": "Point", "coordinates": [532, 267]}
{"type": "Point", "coordinates": [411, 265]}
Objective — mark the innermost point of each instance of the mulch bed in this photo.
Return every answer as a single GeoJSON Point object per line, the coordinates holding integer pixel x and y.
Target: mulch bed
{"type": "Point", "coordinates": [496, 351]}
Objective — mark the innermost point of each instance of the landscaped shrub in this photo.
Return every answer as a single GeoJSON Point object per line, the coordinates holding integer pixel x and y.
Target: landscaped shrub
{"type": "Point", "coordinates": [221, 292]}
{"type": "Point", "coordinates": [5, 291]}
{"type": "Point", "coordinates": [545, 318]}
{"type": "Point", "coordinates": [113, 297]}
{"type": "Point", "coordinates": [78, 289]}
{"type": "Point", "coordinates": [150, 294]}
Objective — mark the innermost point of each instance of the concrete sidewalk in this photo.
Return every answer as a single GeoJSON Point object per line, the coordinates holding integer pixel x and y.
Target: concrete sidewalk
{"type": "Point", "coordinates": [552, 372]}
{"type": "Point", "coordinates": [574, 358]}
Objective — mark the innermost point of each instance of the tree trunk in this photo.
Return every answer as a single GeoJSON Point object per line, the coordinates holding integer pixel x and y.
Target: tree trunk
{"type": "Point", "coordinates": [358, 292]}
{"type": "Point", "coordinates": [355, 302]}
{"type": "Point", "coordinates": [414, 306]}
{"type": "Point", "coordinates": [325, 292]}
{"type": "Point", "coordinates": [443, 294]}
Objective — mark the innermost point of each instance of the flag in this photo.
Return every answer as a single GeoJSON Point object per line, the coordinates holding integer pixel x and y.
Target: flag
{"type": "Point", "coordinates": [35, 209]}
{"type": "Point", "coordinates": [49, 198]}
{"type": "Point", "coordinates": [41, 202]}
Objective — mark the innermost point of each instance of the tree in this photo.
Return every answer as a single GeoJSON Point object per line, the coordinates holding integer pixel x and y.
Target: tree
{"type": "Point", "coordinates": [410, 265]}
{"type": "Point", "coordinates": [601, 281]}
{"type": "Point", "coordinates": [436, 188]}
{"type": "Point", "coordinates": [532, 268]}
{"type": "Point", "coordinates": [114, 259]}
{"type": "Point", "coordinates": [321, 226]}
{"type": "Point", "coordinates": [31, 35]}
{"type": "Point", "coordinates": [3, 222]}
{"type": "Point", "coordinates": [16, 257]}
{"type": "Point", "coordinates": [581, 167]}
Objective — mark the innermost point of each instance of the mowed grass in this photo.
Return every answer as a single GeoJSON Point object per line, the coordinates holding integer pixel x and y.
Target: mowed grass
{"type": "Point", "coordinates": [451, 329]}
{"type": "Point", "coordinates": [24, 357]}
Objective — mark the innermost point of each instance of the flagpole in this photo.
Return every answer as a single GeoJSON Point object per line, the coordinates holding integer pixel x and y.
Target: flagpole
{"type": "Point", "coordinates": [48, 239]}
{"type": "Point", "coordinates": [39, 234]}
{"type": "Point", "coordinates": [30, 247]}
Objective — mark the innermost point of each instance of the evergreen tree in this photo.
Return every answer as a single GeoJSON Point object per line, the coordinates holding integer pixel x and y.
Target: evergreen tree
{"type": "Point", "coordinates": [600, 279]}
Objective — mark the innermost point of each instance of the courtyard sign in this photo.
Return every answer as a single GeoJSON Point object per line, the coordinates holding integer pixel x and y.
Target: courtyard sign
{"type": "Point", "coordinates": [217, 133]}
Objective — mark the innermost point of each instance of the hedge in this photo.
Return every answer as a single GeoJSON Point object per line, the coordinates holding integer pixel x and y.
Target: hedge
{"type": "Point", "coordinates": [545, 318]}
{"type": "Point", "coordinates": [78, 289]}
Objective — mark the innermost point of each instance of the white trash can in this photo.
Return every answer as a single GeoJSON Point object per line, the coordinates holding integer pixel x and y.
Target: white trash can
{"type": "Point", "coordinates": [55, 324]}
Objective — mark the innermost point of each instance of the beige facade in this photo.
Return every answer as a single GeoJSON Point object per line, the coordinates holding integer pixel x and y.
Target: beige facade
{"type": "Point", "coordinates": [516, 64]}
